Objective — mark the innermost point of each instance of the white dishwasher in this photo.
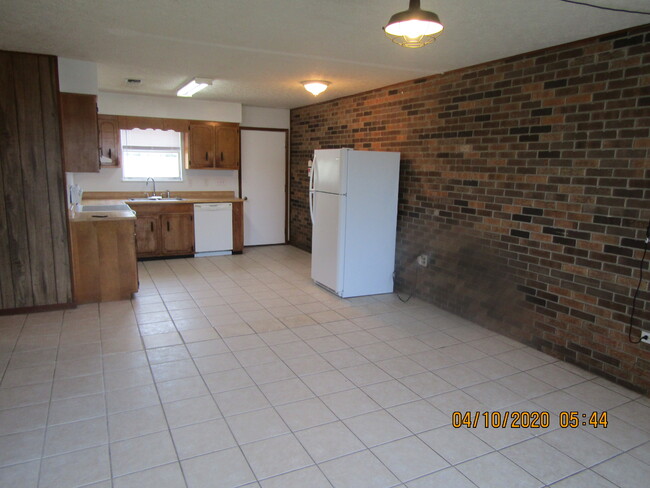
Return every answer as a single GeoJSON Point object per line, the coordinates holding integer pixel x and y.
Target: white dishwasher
{"type": "Point", "coordinates": [213, 228]}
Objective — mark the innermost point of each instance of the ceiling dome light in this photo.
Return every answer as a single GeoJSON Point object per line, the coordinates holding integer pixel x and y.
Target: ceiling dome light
{"type": "Point", "coordinates": [413, 27]}
{"type": "Point", "coordinates": [315, 87]}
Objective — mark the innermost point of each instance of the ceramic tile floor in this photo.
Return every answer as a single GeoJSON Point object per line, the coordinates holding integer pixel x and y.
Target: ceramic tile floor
{"type": "Point", "coordinates": [237, 371]}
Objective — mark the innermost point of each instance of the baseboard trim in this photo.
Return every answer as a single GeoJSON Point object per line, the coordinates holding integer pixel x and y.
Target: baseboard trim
{"type": "Point", "coordinates": [38, 308]}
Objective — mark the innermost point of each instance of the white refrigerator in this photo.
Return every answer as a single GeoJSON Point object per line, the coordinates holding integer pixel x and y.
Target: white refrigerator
{"type": "Point", "coordinates": [353, 205]}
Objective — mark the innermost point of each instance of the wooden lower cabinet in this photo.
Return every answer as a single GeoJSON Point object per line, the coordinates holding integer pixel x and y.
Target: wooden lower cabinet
{"type": "Point", "coordinates": [237, 227]}
{"type": "Point", "coordinates": [147, 232]}
{"type": "Point", "coordinates": [164, 229]}
{"type": "Point", "coordinates": [177, 233]}
{"type": "Point", "coordinates": [168, 229]}
{"type": "Point", "coordinates": [103, 260]}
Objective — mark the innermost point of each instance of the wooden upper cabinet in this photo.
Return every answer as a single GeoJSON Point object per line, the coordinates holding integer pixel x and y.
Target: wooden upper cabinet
{"type": "Point", "coordinates": [202, 139]}
{"type": "Point", "coordinates": [109, 140]}
{"type": "Point", "coordinates": [79, 132]}
{"type": "Point", "coordinates": [214, 145]}
{"type": "Point", "coordinates": [227, 147]}
{"type": "Point", "coordinates": [178, 125]}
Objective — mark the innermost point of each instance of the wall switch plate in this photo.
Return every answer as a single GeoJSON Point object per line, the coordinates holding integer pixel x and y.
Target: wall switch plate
{"type": "Point", "coordinates": [423, 260]}
{"type": "Point", "coordinates": [646, 334]}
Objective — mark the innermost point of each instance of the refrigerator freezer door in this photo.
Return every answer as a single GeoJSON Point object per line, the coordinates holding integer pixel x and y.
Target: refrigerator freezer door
{"type": "Point", "coordinates": [328, 240]}
{"type": "Point", "coordinates": [330, 171]}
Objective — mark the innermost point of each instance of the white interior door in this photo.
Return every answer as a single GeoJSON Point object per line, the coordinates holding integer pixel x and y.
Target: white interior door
{"type": "Point", "coordinates": [263, 178]}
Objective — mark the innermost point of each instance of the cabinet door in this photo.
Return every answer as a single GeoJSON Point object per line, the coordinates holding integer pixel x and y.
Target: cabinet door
{"type": "Point", "coordinates": [79, 133]}
{"type": "Point", "coordinates": [237, 227]}
{"type": "Point", "coordinates": [227, 147]}
{"type": "Point", "coordinates": [201, 146]}
{"type": "Point", "coordinates": [109, 140]}
{"type": "Point", "coordinates": [177, 234]}
{"type": "Point", "coordinates": [147, 235]}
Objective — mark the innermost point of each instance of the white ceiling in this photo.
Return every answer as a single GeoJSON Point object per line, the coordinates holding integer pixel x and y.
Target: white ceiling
{"type": "Point", "coordinates": [259, 50]}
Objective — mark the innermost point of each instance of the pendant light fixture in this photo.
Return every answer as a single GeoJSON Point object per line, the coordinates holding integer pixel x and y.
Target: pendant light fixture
{"type": "Point", "coordinates": [413, 27]}
{"type": "Point", "coordinates": [315, 87]}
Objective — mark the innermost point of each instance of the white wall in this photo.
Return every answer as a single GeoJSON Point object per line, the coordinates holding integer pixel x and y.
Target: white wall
{"type": "Point", "coordinates": [270, 118]}
{"type": "Point", "coordinates": [168, 107]}
{"type": "Point", "coordinates": [110, 179]}
{"type": "Point", "coordinates": [81, 77]}
{"type": "Point", "coordinates": [77, 76]}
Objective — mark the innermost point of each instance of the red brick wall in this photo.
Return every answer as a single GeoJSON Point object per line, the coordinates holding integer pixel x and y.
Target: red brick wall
{"type": "Point", "coordinates": [528, 182]}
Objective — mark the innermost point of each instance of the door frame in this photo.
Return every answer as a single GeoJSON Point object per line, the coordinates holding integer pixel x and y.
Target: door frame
{"type": "Point", "coordinates": [286, 173]}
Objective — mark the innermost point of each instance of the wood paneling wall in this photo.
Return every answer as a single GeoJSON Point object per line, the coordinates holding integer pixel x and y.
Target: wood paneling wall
{"type": "Point", "coordinates": [34, 255]}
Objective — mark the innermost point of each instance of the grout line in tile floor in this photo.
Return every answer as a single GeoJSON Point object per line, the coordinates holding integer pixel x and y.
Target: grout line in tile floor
{"type": "Point", "coordinates": [283, 384]}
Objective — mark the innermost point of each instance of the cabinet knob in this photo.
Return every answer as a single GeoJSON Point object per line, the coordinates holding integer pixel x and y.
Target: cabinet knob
{"type": "Point", "coordinates": [151, 226]}
{"type": "Point", "coordinates": [206, 156]}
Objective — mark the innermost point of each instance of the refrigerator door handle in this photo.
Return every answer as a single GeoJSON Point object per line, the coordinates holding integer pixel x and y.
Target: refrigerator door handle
{"type": "Point", "coordinates": [311, 189]}
{"type": "Point", "coordinates": [311, 174]}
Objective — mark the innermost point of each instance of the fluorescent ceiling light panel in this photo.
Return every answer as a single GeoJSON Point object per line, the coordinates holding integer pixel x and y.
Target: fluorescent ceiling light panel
{"type": "Point", "coordinates": [194, 86]}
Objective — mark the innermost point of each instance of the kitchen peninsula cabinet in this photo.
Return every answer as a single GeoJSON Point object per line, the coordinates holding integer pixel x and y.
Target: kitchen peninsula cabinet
{"type": "Point", "coordinates": [109, 140]}
{"type": "Point", "coordinates": [214, 145]}
{"type": "Point", "coordinates": [164, 229]}
{"type": "Point", "coordinates": [79, 132]}
{"type": "Point", "coordinates": [103, 260]}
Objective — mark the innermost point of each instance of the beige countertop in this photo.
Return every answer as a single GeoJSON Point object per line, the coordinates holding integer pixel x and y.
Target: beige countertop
{"type": "Point", "coordinates": [75, 216]}
{"type": "Point", "coordinates": [184, 200]}
{"type": "Point", "coordinates": [187, 197]}
{"type": "Point", "coordinates": [117, 198]}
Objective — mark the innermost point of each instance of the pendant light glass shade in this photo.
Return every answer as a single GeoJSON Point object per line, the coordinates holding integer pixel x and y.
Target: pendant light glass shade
{"type": "Point", "coordinates": [413, 27]}
{"type": "Point", "coordinates": [315, 87]}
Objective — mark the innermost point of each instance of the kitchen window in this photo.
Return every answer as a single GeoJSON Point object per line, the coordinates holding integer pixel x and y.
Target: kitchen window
{"type": "Point", "coordinates": [152, 153]}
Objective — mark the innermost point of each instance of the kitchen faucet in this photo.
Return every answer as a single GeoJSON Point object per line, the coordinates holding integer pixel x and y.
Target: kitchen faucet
{"type": "Point", "coordinates": [154, 185]}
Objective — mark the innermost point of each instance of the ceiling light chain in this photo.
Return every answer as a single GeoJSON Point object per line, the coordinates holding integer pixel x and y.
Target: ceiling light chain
{"type": "Point", "coordinates": [413, 27]}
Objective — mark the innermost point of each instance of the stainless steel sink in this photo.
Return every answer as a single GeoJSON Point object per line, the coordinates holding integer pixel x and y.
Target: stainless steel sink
{"type": "Point", "coordinates": [105, 208]}
{"type": "Point", "coordinates": [149, 199]}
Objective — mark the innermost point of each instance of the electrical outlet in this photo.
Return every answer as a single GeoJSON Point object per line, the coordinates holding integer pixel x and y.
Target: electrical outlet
{"type": "Point", "coordinates": [423, 260]}
{"type": "Point", "coordinates": [645, 336]}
